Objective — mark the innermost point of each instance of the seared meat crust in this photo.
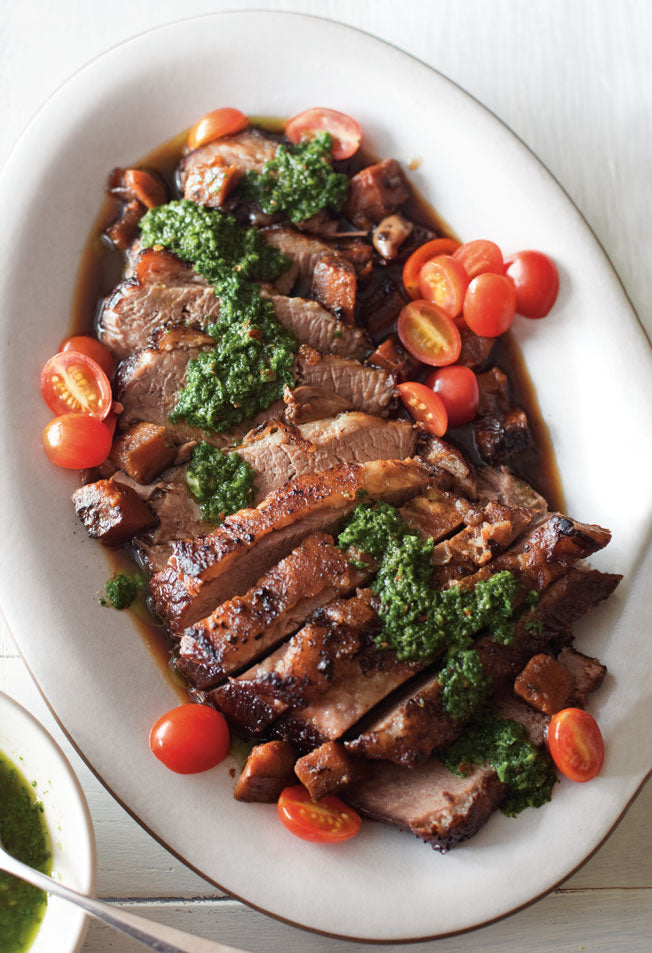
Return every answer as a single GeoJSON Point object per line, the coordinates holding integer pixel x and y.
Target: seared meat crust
{"type": "Point", "coordinates": [417, 724]}
{"type": "Point", "coordinates": [246, 627]}
{"type": "Point", "coordinates": [203, 572]}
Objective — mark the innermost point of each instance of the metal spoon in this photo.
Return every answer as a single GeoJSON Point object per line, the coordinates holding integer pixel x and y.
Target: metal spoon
{"type": "Point", "coordinates": [155, 935]}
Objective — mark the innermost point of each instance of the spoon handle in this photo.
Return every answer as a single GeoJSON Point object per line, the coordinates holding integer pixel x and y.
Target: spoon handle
{"type": "Point", "coordinates": [155, 935]}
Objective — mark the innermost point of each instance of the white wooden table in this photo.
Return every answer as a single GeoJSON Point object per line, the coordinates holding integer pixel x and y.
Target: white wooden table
{"type": "Point", "coordinates": [573, 78]}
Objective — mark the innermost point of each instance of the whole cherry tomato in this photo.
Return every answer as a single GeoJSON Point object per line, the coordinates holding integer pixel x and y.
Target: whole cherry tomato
{"type": "Point", "coordinates": [536, 280]}
{"type": "Point", "coordinates": [490, 305]}
{"type": "Point", "coordinates": [190, 739]}
{"type": "Point", "coordinates": [457, 386]}
{"type": "Point", "coordinates": [77, 441]}
{"type": "Point", "coordinates": [479, 257]}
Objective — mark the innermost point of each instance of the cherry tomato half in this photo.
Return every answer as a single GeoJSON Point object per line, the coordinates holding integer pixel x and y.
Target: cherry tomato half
{"type": "Point", "coordinates": [443, 281]}
{"type": "Point", "coordinates": [536, 280]}
{"type": "Point", "coordinates": [327, 821]}
{"type": "Point", "coordinates": [418, 258]}
{"type": "Point", "coordinates": [479, 257]}
{"type": "Point", "coordinates": [425, 406]}
{"type": "Point", "coordinates": [457, 386]}
{"type": "Point", "coordinates": [429, 334]}
{"type": "Point", "coordinates": [92, 348]}
{"type": "Point", "coordinates": [345, 131]}
{"type": "Point", "coordinates": [575, 743]}
{"type": "Point", "coordinates": [190, 739]}
{"type": "Point", "coordinates": [77, 441]}
{"type": "Point", "coordinates": [214, 125]}
{"type": "Point", "coordinates": [72, 383]}
{"type": "Point", "coordinates": [490, 305]}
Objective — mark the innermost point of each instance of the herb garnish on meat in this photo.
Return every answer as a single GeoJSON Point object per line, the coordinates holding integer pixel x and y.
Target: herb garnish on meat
{"type": "Point", "coordinates": [222, 483]}
{"type": "Point", "coordinates": [298, 181]}
{"type": "Point", "coordinates": [503, 743]}
{"type": "Point", "coordinates": [421, 622]}
{"type": "Point", "coordinates": [254, 354]}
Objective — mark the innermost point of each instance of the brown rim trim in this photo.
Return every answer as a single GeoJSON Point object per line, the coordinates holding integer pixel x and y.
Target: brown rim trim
{"type": "Point", "coordinates": [340, 936]}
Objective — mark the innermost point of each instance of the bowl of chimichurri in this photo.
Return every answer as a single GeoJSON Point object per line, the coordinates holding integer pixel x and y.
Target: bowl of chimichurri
{"type": "Point", "coordinates": [45, 822]}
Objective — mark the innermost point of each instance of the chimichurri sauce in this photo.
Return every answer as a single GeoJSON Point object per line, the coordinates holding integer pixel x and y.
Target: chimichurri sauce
{"type": "Point", "coordinates": [24, 835]}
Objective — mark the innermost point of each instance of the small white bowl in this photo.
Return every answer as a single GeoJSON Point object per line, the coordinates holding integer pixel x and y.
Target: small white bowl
{"type": "Point", "coordinates": [25, 742]}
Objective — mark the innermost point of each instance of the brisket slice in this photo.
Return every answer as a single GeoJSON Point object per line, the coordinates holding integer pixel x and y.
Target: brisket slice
{"type": "Point", "coordinates": [324, 657]}
{"type": "Point", "coordinates": [244, 628]}
{"type": "Point", "coordinates": [431, 802]}
{"type": "Point", "coordinates": [500, 484]}
{"type": "Point", "coordinates": [137, 308]}
{"type": "Point", "coordinates": [147, 384]}
{"type": "Point", "coordinates": [417, 723]}
{"type": "Point", "coordinates": [304, 251]}
{"type": "Point", "coordinates": [365, 388]}
{"type": "Point", "coordinates": [278, 452]}
{"type": "Point", "coordinates": [312, 324]}
{"type": "Point", "coordinates": [455, 472]}
{"type": "Point", "coordinates": [357, 680]}
{"type": "Point", "coordinates": [478, 543]}
{"type": "Point", "coordinates": [204, 572]}
{"type": "Point", "coordinates": [546, 552]}
{"type": "Point", "coordinates": [248, 151]}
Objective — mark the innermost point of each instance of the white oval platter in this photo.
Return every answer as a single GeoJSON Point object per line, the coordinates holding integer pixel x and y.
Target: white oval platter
{"type": "Point", "coordinates": [591, 365]}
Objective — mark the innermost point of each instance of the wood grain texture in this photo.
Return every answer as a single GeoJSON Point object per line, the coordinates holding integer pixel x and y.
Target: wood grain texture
{"type": "Point", "coordinates": [573, 80]}
{"type": "Point", "coordinates": [551, 927]}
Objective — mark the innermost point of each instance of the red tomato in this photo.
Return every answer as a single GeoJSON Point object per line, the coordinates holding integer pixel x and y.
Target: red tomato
{"type": "Point", "coordinates": [327, 821]}
{"type": "Point", "coordinates": [458, 388]}
{"type": "Point", "coordinates": [443, 281]}
{"type": "Point", "coordinates": [345, 131]}
{"type": "Point", "coordinates": [575, 743]}
{"type": "Point", "coordinates": [490, 305]}
{"type": "Point", "coordinates": [92, 348]}
{"type": "Point", "coordinates": [77, 441]}
{"type": "Point", "coordinates": [425, 406]}
{"type": "Point", "coordinates": [190, 739]}
{"type": "Point", "coordinates": [214, 125]}
{"type": "Point", "coordinates": [72, 383]}
{"type": "Point", "coordinates": [416, 261]}
{"type": "Point", "coordinates": [479, 257]}
{"type": "Point", "coordinates": [536, 281]}
{"type": "Point", "coordinates": [429, 334]}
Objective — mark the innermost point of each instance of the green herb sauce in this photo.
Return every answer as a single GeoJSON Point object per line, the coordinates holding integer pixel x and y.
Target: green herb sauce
{"type": "Point", "coordinates": [222, 483]}
{"type": "Point", "coordinates": [253, 357]}
{"type": "Point", "coordinates": [420, 622]}
{"type": "Point", "coordinates": [503, 743]}
{"type": "Point", "coordinates": [121, 590]}
{"type": "Point", "coordinates": [465, 684]}
{"type": "Point", "coordinates": [298, 181]}
{"type": "Point", "coordinates": [24, 835]}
